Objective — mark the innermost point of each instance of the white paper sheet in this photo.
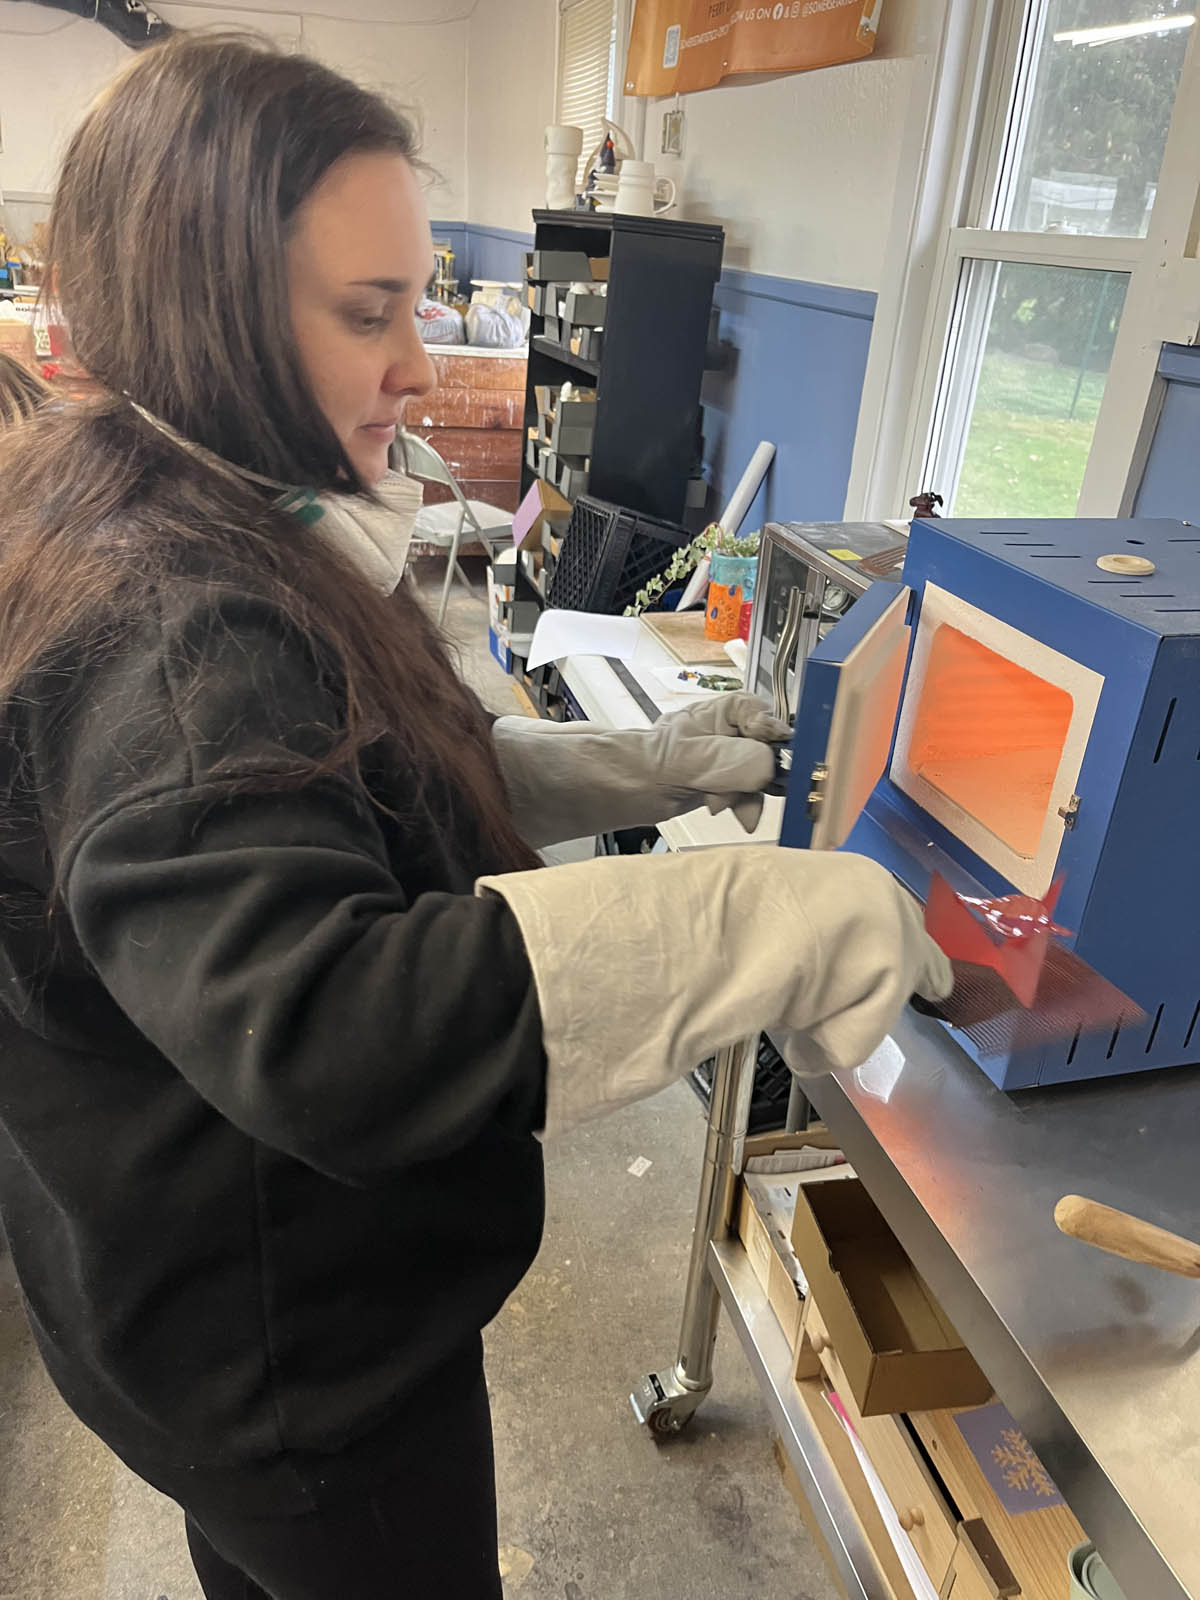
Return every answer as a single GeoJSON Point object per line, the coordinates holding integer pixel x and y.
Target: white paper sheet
{"type": "Point", "coordinates": [581, 633]}
{"type": "Point", "coordinates": [918, 1578]}
{"type": "Point", "coordinates": [667, 680]}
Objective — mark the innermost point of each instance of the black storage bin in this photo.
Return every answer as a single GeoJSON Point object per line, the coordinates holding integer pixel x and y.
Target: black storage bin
{"type": "Point", "coordinates": [772, 1088]}
{"type": "Point", "coordinates": [608, 554]}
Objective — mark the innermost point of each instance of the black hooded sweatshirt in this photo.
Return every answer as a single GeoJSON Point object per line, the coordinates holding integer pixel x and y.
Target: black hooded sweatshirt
{"type": "Point", "coordinates": [269, 1071]}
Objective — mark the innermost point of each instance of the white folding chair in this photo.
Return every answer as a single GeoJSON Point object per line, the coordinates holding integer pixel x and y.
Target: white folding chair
{"type": "Point", "coordinates": [444, 525]}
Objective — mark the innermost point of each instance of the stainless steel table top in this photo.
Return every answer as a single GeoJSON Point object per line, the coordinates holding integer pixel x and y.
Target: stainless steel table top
{"type": "Point", "coordinates": [1098, 1359]}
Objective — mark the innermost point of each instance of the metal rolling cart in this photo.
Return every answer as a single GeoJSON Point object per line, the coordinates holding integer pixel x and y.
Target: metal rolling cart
{"type": "Point", "coordinates": [719, 1274]}
{"type": "Point", "coordinates": [810, 574]}
{"type": "Point", "coordinates": [1099, 1367]}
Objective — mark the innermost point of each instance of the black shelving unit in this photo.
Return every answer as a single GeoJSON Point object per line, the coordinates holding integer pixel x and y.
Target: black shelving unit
{"type": "Point", "coordinates": [647, 380]}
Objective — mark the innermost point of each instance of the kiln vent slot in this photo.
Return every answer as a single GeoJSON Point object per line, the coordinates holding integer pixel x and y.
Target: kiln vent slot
{"type": "Point", "coordinates": [1162, 738]}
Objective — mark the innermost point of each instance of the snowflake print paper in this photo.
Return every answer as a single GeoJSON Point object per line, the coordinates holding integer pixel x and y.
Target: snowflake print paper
{"type": "Point", "coordinates": [1007, 1460]}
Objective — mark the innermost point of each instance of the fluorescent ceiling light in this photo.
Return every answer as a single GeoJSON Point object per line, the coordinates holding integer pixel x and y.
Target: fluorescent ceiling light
{"type": "Point", "coordinates": [1123, 30]}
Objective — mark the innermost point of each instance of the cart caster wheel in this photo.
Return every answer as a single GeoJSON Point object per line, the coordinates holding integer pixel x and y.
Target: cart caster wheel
{"type": "Point", "coordinates": [663, 1405]}
{"type": "Point", "coordinates": [666, 1424]}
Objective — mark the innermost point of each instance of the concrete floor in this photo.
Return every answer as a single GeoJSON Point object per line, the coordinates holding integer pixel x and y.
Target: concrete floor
{"type": "Point", "coordinates": [590, 1507]}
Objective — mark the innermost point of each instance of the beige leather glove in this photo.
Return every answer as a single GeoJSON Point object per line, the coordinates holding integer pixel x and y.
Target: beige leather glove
{"type": "Point", "coordinates": [567, 780]}
{"type": "Point", "coordinates": [645, 965]}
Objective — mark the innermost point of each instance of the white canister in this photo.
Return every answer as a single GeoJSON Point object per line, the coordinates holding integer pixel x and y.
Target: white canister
{"type": "Point", "coordinates": [564, 145]}
{"type": "Point", "coordinates": [640, 194]}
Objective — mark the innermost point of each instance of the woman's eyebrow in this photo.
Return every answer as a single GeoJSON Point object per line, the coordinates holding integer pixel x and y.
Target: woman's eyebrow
{"type": "Point", "coordinates": [388, 285]}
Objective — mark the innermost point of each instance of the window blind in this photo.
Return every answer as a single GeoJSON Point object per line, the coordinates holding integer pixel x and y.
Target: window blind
{"type": "Point", "coordinates": [587, 41]}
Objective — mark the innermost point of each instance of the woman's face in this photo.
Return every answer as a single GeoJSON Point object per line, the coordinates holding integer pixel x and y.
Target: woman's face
{"type": "Point", "coordinates": [359, 259]}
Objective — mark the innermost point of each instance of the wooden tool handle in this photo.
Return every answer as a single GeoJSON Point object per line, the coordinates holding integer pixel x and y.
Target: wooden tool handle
{"type": "Point", "coordinates": [1123, 1235]}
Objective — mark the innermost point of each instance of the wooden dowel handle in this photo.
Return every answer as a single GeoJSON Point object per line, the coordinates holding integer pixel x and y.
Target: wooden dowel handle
{"type": "Point", "coordinates": [1123, 1235]}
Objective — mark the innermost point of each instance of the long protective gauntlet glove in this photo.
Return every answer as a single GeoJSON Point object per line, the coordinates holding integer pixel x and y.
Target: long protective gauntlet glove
{"type": "Point", "coordinates": [646, 965]}
{"type": "Point", "coordinates": [567, 780]}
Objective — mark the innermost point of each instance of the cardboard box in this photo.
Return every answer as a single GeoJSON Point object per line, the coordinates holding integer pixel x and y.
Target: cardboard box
{"type": "Point", "coordinates": [542, 509]}
{"type": "Point", "coordinates": [572, 475]}
{"type": "Point", "coordinates": [759, 1235]}
{"type": "Point", "coordinates": [898, 1348]}
{"type": "Point", "coordinates": [504, 568]}
{"type": "Point", "coordinates": [565, 266]}
{"type": "Point", "coordinates": [500, 648]}
{"type": "Point", "coordinates": [599, 266]}
{"type": "Point", "coordinates": [764, 1220]}
{"type": "Point", "coordinates": [572, 424]}
{"type": "Point", "coordinates": [16, 340]}
{"type": "Point", "coordinates": [572, 438]}
{"type": "Point", "coordinates": [585, 310]}
{"type": "Point", "coordinates": [520, 616]}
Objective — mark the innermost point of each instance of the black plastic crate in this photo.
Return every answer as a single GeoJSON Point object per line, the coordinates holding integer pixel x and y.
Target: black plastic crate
{"type": "Point", "coordinates": [772, 1088]}
{"type": "Point", "coordinates": [608, 554]}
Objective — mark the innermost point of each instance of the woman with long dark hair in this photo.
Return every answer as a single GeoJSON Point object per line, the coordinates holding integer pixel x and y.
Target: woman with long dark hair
{"type": "Point", "coordinates": [285, 997]}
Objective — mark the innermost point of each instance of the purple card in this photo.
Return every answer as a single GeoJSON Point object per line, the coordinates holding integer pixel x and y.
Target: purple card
{"type": "Point", "coordinates": [527, 513]}
{"type": "Point", "coordinates": [1005, 1456]}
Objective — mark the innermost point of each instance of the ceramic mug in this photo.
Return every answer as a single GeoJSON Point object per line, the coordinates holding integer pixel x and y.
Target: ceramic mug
{"type": "Point", "coordinates": [638, 191]}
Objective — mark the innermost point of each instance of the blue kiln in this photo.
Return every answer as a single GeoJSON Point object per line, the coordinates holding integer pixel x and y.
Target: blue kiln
{"type": "Point", "coordinates": [1024, 706]}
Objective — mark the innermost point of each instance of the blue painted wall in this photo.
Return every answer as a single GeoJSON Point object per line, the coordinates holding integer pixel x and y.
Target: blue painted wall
{"type": "Point", "coordinates": [793, 357]}
{"type": "Point", "coordinates": [484, 252]}
{"type": "Point", "coordinates": [496, 252]}
{"type": "Point", "coordinates": [1170, 485]}
{"type": "Point", "coordinates": [458, 236]}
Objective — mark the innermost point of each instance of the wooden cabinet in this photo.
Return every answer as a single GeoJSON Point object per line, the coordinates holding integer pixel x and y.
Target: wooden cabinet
{"type": "Point", "coordinates": [919, 1503]}
{"type": "Point", "coordinates": [473, 419]}
{"type": "Point", "coordinates": [1035, 1544]}
{"type": "Point", "coordinates": [970, 1547]}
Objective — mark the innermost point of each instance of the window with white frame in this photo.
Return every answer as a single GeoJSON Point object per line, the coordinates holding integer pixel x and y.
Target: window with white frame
{"type": "Point", "coordinates": [587, 67]}
{"type": "Point", "coordinates": [1043, 247]}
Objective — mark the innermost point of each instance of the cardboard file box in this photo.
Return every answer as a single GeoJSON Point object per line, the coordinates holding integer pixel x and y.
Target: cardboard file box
{"type": "Point", "coordinates": [897, 1347]}
{"type": "Point", "coordinates": [572, 475]}
{"type": "Point", "coordinates": [571, 266]}
{"type": "Point", "coordinates": [573, 426]}
{"type": "Point", "coordinates": [585, 310]}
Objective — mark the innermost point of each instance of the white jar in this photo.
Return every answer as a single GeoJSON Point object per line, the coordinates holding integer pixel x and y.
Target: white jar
{"type": "Point", "coordinates": [640, 194]}
{"type": "Point", "coordinates": [564, 146]}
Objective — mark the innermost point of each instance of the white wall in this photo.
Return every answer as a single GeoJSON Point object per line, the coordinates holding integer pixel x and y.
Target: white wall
{"type": "Point", "coordinates": [51, 67]}
{"type": "Point", "coordinates": [511, 63]}
{"type": "Point", "coordinates": [801, 169]}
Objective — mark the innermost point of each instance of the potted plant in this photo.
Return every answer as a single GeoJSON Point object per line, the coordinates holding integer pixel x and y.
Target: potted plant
{"type": "Point", "coordinates": [712, 545]}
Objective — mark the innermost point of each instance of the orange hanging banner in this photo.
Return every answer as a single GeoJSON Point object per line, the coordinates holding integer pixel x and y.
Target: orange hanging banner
{"type": "Point", "coordinates": [678, 46]}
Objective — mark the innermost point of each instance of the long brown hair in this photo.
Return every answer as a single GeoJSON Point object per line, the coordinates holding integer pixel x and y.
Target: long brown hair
{"type": "Point", "coordinates": [167, 252]}
{"type": "Point", "coordinates": [21, 391]}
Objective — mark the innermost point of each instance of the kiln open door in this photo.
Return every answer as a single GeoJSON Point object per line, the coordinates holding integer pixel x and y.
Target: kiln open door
{"type": "Point", "coordinates": [846, 718]}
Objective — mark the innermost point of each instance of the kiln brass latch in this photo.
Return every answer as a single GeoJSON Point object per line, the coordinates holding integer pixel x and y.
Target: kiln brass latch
{"type": "Point", "coordinates": [1070, 811]}
{"type": "Point", "coordinates": [816, 795]}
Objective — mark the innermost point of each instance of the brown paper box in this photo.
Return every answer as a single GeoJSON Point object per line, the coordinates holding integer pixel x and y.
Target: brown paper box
{"type": "Point", "coordinates": [897, 1347]}
{"type": "Point", "coordinates": [782, 1294]}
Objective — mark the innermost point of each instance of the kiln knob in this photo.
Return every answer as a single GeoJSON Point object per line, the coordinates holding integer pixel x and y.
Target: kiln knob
{"type": "Point", "coordinates": [1127, 566]}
